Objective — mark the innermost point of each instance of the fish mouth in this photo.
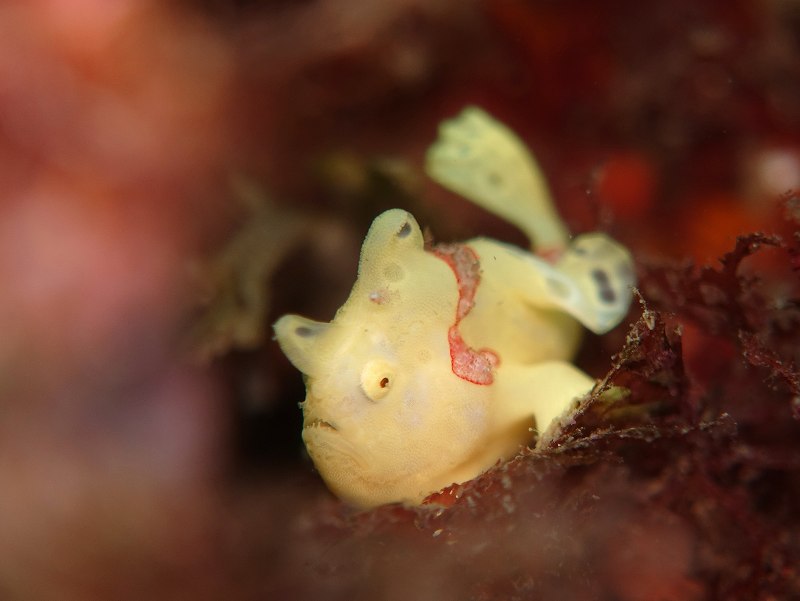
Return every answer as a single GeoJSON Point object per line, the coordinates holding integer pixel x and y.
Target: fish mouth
{"type": "Point", "coordinates": [329, 446]}
{"type": "Point", "coordinates": [319, 424]}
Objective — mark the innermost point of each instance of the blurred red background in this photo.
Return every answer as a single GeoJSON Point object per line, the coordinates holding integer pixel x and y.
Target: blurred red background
{"type": "Point", "coordinates": [175, 175]}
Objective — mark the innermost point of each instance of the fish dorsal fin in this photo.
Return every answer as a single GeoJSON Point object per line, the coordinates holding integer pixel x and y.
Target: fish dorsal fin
{"type": "Point", "coordinates": [481, 159]}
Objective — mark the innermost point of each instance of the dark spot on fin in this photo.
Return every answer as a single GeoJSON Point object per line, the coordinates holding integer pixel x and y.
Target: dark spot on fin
{"type": "Point", "coordinates": [607, 294]}
{"type": "Point", "coordinates": [494, 179]}
{"type": "Point", "coordinates": [404, 231]}
{"type": "Point", "coordinates": [305, 332]}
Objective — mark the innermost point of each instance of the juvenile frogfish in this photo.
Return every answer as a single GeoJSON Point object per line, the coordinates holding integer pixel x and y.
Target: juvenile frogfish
{"type": "Point", "coordinates": [445, 359]}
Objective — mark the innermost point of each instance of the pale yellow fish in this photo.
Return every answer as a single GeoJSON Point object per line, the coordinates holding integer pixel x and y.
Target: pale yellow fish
{"type": "Point", "coordinates": [442, 361]}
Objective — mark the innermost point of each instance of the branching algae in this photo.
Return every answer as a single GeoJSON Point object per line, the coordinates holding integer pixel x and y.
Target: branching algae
{"type": "Point", "coordinates": [444, 359]}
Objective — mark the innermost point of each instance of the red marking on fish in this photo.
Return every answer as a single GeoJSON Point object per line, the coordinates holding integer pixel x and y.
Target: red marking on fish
{"type": "Point", "coordinates": [472, 365]}
{"type": "Point", "coordinates": [551, 254]}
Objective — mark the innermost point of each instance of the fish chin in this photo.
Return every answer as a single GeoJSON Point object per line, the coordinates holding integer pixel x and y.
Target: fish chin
{"type": "Point", "coordinates": [329, 448]}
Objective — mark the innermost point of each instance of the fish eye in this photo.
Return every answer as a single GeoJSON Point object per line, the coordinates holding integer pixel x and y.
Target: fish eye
{"type": "Point", "coordinates": [377, 378]}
